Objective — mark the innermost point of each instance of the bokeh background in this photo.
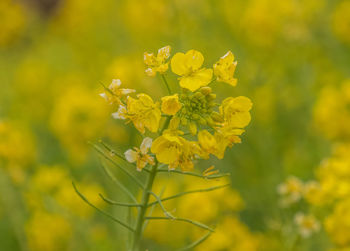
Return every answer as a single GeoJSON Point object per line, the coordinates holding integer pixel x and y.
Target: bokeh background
{"type": "Point", "coordinates": [293, 62]}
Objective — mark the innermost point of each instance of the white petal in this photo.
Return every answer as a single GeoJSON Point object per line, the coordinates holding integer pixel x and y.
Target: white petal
{"type": "Point", "coordinates": [145, 145]}
{"type": "Point", "coordinates": [127, 91]}
{"type": "Point", "coordinates": [130, 155]}
{"type": "Point", "coordinates": [116, 82]}
{"type": "Point", "coordinates": [120, 114]}
{"type": "Point", "coordinates": [104, 95]}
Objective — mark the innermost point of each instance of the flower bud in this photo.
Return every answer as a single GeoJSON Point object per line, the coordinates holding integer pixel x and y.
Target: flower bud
{"type": "Point", "coordinates": [183, 121]}
{"type": "Point", "coordinates": [193, 128]}
{"type": "Point", "coordinates": [216, 117]}
{"type": "Point", "coordinates": [205, 90]}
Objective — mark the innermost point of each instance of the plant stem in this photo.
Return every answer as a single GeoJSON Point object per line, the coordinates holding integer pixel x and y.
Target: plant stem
{"type": "Point", "coordinates": [166, 83]}
{"type": "Point", "coordinates": [144, 204]}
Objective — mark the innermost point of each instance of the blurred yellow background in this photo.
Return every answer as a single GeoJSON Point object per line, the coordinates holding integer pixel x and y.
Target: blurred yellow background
{"type": "Point", "coordinates": [293, 62]}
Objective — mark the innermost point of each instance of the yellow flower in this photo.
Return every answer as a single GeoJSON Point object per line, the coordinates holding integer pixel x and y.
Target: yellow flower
{"type": "Point", "coordinates": [212, 144]}
{"type": "Point", "coordinates": [114, 93]}
{"type": "Point", "coordinates": [225, 68]}
{"type": "Point", "coordinates": [140, 156]}
{"type": "Point", "coordinates": [307, 224]}
{"type": "Point", "coordinates": [143, 112]}
{"type": "Point", "coordinates": [174, 150]}
{"type": "Point", "coordinates": [157, 63]}
{"type": "Point", "coordinates": [235, 111]}
{"type": "Point", "coordinates": [171, 104]}
{"type": "Point", "coordinates": [189, 67]}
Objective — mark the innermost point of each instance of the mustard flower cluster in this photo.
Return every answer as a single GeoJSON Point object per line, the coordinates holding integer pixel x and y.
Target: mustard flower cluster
{"type": "Point", "coordinates": [191, 124]}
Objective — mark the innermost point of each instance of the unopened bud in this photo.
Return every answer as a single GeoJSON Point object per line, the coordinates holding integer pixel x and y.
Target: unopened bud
{"type": "Point", "coordinates": [183, 121]}
{"type": "Point", "coordinates": [193, 128]}
{"type": "Point", "coordinates": [205, 90]}
{"type": "Point", "coordinates": [216, 117]}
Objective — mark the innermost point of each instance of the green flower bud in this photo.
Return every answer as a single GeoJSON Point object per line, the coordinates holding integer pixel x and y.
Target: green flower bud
{"type": "Point", "coordinates": [205, 90]}
{"type": "Point", "coordinates": [216, 117]}
{"type": "Point", "coordinates": [184, 121]}
{"type": "Point", "coordinates": [195, 116]}
{"type": "Point", "coordinates": [193, 128]}
{"type": "Point", "coordinates": [198, 95]}
{"type": "Point", "coordinates": [202, 121]}
{"type": "Point", "coordinates": [211, 96]}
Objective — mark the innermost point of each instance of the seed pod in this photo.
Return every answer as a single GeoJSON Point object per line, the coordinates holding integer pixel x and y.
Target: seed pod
{"type": "Point", "coordinates": [193, 128]}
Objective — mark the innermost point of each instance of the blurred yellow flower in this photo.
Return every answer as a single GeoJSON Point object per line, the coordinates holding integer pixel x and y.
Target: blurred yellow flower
{"type": "Point", "coordinates": [171, 104]}
{"type": "Point", "coordinates": [291, 190]}
{"type": "Point", "coordinates": [337, 224]}
{"type": "Point", "coordinates": [341, 21]}
{"type": "Point", "coordinates": [307, 224]}
{"type": "Point", "coordinates": [157, 63]}
{"type": "Point", "coordinates": [225, 68]}
{"type": "Point", "coordinates": [140, 156]}
{"type": "Point", "coordinates": [48, 232]}
{"type": "Point", "coordinates": [189, 67]}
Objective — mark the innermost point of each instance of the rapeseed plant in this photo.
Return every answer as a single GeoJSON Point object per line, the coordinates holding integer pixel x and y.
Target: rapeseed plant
{"type": "Point", "coordinates": [178, 130]}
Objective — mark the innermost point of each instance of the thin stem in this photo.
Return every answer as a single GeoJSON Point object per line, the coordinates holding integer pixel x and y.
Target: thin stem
{"type": "Point", "coordinates": [112, 202]}
{"type": "Point", "coordinates": [195, 174]}
{"type": "Point", "coordinates": [167, 214]}
{"type": "Point", "coordinates": [138, 182]}
{"type": "Point", "coordinates": [166, 83]}
{"type": "Point", "coordinates": [196, 223]}
{"type": "Point", "coordinates": [197, 242]}
{"type": "Point", "coordinates": [112, 151]}
{"type": "Point", "coordinates": [144, 202]}
{"type": "Point", "coordinates": [189, 192]}
{"type": "Point", "coordinates": [118, 183]}
{"type": "Point", "coordinates": [101, 211]}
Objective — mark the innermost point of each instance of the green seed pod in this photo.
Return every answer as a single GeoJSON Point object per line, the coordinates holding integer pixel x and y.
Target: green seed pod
{"type": "Point", "coordinates": [193, 128]}
{"type": "Point", "coordinates": [216, 117]}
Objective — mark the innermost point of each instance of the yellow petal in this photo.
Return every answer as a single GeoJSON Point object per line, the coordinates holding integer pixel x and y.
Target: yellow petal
{"type": "Point", "coordinates": [194, 60]}
{"type": "Point", "coordinates": [178, 65]}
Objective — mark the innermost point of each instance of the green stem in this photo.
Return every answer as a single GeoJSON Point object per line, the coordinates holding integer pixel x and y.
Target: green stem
{"type": "Point", "coordinates": [144, 204]}
{"type": "Point", "coordinates": [166, 83]}
{"type": "Point", "coordinates": [145, 198]}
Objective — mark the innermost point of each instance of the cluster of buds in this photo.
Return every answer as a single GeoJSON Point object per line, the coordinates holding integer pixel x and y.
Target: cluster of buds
{"type": "Point", "coordinates": [197, 109]}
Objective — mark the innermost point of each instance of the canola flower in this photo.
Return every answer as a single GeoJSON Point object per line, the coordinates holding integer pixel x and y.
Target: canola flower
{"type": "Point", "coordinates": [307, 224]}
{"type": "Point", "coordinates": [177, 131]}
